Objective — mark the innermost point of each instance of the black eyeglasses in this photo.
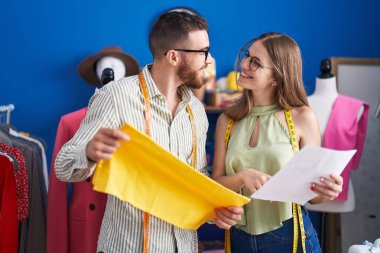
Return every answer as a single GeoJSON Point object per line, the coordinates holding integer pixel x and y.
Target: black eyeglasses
{"type": "Point", "coordinates": [206, 52]}
{"type": "Point", "coordinates": [254, 63]}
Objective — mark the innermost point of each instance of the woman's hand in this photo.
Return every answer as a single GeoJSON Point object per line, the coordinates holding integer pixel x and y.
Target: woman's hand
{"type": "Point", "coordinates": [254, 179]}
{"type": "Point", "coordinates": [328, 189]}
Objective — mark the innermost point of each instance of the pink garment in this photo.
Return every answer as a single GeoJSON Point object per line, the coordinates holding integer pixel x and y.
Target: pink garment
{"type": "Point", "coordinates": [344, 132]}
{"type": "Point", "coordinates": [74, 228]}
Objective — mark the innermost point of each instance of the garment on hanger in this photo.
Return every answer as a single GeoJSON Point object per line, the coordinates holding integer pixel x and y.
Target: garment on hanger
{"type": "Point", "coordinates": [42, 149]}
{"type": "Point", "coordinates": [21, 180]}
{"type": "Point", "coordinates": [344, 131]}
{"type": "Point", "coordinates": [8, 207]}
{"type": "Point", "coordinates": [32, 231]}
{"type": "Point", "coordinates": [30, 178]}
{"type": "Point", "coordinates": [73, 223]}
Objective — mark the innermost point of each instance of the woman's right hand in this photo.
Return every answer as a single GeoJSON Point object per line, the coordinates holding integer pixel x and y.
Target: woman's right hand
{"type": "Point", "coordinates": [253, 179]}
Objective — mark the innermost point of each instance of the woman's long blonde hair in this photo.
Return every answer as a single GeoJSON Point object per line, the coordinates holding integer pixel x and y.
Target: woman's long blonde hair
{"type": "Point", "coordinates": [287, 70]}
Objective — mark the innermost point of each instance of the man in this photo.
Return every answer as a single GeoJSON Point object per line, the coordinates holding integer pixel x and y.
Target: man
{"type": "Point", "coordinates": [180, 47]}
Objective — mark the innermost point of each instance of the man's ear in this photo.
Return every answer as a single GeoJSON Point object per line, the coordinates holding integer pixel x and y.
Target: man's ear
{"type": "Point", "coordinates": [173, 57]}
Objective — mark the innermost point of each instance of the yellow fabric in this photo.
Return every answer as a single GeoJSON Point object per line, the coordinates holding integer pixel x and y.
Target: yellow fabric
{"type": "Point", "coordinates": [152, 179]}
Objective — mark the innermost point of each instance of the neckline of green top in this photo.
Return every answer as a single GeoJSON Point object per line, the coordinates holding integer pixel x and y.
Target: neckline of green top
{"type": "Point", "coordinates": [265, 110]}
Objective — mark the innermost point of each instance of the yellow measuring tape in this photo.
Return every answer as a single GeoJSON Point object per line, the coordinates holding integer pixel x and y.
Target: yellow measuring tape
{"type": "Point", "coordinates": [194, 132]}
{"type": "Point", "coordinates": [297, 212]}
{"type": "Point", "coordinates": [227, 233]}
{"type": "Point", "coordinates": [147, 114]}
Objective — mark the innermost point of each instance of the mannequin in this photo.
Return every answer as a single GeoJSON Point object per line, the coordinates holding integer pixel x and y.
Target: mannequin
{"type": "Point", "coordinates": [343, 123]}
{"type": "Point", "coordinates": [108, 69]}
{"type": "Point", "coordinates": [123, 64]}
{"type": "Point", "coordinates": [321, 101]}
{"type": "Point", "coordinates": [73, 223]}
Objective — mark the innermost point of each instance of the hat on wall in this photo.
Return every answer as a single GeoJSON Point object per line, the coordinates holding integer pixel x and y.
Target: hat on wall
{"type": "Point", "coordinates": [87, 70]}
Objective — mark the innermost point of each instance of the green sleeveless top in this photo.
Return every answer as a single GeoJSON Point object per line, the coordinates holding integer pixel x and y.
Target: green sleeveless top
{"type": "Point", "coordinates": [272, 152]}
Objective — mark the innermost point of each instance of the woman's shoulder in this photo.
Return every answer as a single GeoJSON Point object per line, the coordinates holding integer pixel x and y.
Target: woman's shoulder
{"type": "Point", "coordinates": [303, 113]}
{"type": "Point", "coordinates": [306, 121]}
{"type": "Point", "coordinates": [300, 113]}
{"type": "Point", "coordinates": [223, 121]}
{"type": "Point", "coordinates": [307, 126]}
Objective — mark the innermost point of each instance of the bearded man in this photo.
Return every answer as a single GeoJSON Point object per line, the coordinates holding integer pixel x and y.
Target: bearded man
{"type": "Point", "coordinates": [158, 100]}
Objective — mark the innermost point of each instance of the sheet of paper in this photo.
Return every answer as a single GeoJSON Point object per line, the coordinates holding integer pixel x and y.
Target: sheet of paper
{"type": "Point", "coordinates": [292, 183]}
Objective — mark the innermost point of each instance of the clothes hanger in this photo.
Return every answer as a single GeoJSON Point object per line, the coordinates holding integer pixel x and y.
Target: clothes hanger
{"type": "Point", "coordinates": [7, 109]}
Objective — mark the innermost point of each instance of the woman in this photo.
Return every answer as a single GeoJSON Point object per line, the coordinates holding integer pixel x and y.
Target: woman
{"type": "Point", "coordinates": [259, 144]}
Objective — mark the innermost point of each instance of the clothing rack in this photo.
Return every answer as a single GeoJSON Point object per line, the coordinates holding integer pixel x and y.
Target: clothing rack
{"type": "Point", "coordinates": [7, 110]}
{"type": "Point", "coordinates": [23, 214]}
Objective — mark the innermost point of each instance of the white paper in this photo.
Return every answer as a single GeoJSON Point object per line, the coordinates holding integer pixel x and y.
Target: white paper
{"type": "Point", "coordinates": [292, 183]}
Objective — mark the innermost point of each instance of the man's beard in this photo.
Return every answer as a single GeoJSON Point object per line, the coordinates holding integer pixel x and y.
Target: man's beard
{"type": "Point", "coordinates": [189, 77]}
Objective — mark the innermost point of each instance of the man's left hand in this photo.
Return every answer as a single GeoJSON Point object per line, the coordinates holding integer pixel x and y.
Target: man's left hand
{"type": "Point", "coordinates": [226, 217]}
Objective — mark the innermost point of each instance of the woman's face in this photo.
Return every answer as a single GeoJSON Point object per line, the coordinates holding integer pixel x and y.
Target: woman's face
{"type": "Point", "coordinates": [256, 68]}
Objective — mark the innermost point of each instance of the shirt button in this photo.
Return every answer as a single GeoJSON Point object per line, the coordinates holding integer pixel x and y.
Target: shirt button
{"type": "Point", "coordinates": [92, 207]}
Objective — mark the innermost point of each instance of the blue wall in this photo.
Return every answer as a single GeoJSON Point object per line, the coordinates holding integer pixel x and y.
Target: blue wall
{"type": "Point", "coordinates": [43, 41]}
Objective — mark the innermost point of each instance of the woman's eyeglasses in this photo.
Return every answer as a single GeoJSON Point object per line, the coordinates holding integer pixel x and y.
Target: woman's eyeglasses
{"type": "Point", "coordinates": [254, 63]}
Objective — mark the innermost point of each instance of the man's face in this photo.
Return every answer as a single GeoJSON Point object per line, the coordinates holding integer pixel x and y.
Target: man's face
{"type": "Point", "coordinates": [191, 69]}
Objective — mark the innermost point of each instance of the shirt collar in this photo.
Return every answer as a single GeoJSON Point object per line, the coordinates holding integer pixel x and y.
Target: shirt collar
{"type": "Point", "coordinates": [153, 91]}
{"type": "Point", "coordinates": [185, 93]}
{"type": "Point", "coordinates": [151, 86]}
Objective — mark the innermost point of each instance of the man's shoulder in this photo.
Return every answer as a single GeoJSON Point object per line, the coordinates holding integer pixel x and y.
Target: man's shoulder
{"type": "Point", "coordinates": [125, 82]}
{"type": "Point", "coordinates": [78, 114]}
{"type": "Point", "coordinates": [125, 86]}
{"type": "Point", "coordinates": [196, 104]}
{"type": "Point", "coordinates": [120, 91]}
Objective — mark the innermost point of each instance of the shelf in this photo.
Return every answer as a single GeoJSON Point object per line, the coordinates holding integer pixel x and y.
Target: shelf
{"type": "Point", "coordinates": [213, 109]}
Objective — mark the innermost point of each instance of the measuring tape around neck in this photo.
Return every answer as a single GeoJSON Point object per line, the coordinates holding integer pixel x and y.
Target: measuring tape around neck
{"type": "Point", "coordinates": [227, 233]}
{"type": "Point", "coordinates": [148, 118]}
{"type": "Point", "coordinates": [297, 212]}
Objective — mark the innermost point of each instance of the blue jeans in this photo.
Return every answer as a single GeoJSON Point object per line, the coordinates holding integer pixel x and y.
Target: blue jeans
{"type": "Point", "coordinates": [278, 240]}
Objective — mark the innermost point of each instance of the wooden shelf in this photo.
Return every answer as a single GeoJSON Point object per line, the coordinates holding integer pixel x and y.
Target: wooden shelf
{"type": "Point", "coordinates": [215, 109]}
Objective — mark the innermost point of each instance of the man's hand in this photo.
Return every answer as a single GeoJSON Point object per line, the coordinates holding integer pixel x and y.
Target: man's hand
{"type": "Point", "coordinates": [104, 144]}
{"type": "Point", "coordinates": [226, 217]}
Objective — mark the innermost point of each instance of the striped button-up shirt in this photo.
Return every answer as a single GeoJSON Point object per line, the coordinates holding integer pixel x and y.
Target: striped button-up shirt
{"type": "Point", "coordinates": [112, 106]}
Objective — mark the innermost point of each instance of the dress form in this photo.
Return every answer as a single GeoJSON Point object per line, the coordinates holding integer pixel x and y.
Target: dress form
{"type": "Point", "coordinates": [321, 101]}
{"type": "Point", "coordinates": [114, 66]}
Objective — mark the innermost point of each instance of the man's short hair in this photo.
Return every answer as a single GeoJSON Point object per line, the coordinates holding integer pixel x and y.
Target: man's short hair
{"type": "Point", "coordinates": [172, 28]}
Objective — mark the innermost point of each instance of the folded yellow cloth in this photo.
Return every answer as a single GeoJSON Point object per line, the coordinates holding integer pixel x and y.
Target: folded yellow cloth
{"type": "Point", "coordinates": [150, 178]}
